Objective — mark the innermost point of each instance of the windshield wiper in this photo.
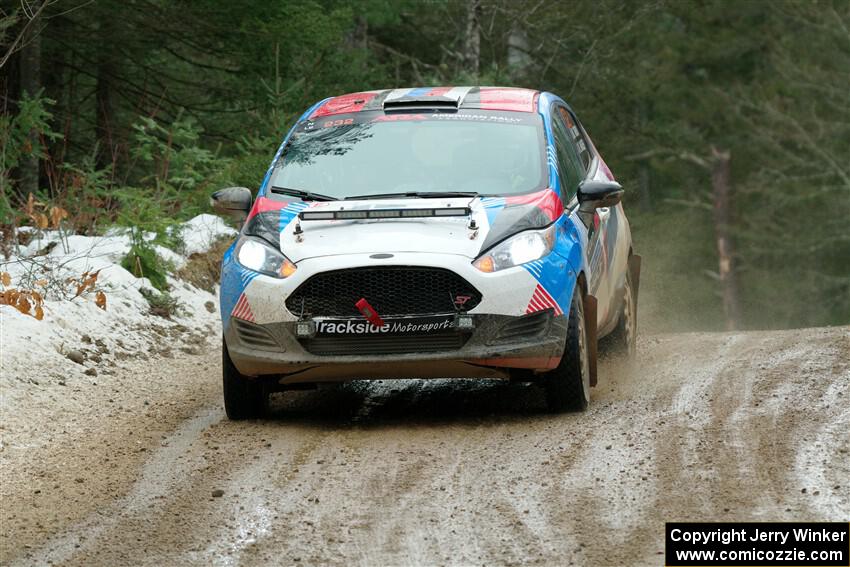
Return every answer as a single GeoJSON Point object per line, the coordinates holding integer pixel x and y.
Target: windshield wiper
{"type": "Point", "coordinates": [303, 195]}
{"type": "Point", "coordinates": [420, 194]}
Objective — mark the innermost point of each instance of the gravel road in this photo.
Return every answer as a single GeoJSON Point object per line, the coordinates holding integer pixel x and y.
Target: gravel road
{"type": "Point", "coordinates": [145, 469]}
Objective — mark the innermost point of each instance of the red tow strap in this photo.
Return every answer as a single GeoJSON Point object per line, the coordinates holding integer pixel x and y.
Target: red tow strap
{"type": "Point", "coordinates": [369, 312]}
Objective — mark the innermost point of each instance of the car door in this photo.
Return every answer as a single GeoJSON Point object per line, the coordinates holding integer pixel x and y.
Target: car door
{"type": "Point", "coordinates": [613, 228]}
{"type": "Point", "coordinates": [574, 161]}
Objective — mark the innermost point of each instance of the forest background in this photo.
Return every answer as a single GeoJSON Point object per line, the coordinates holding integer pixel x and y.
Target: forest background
{"type": "Point", "coordinates": [728, 122]}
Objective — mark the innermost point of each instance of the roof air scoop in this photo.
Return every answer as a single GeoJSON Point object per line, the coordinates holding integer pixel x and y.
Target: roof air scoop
{"type": "Point", "coordinates": [422, 103]}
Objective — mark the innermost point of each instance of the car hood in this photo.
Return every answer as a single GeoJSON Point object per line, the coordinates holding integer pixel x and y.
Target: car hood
{"type": "Point", "coordinates": [495, 219]}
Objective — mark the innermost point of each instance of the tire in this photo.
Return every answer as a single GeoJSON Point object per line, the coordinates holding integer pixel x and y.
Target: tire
{"type": "Point", "coordinates": [567, 387]}
{"type": "Point", "coordinates": [623, 338]}
{"type": "Point", "coordinates": [244, 398]}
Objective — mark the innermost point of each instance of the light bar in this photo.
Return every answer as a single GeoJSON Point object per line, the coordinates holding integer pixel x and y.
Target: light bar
{"type": "Point", "coordinates": [383, 214]}
{"type": "Point", "coordinates": [351, 214]}
{"type": "Point", "coordinates": [321, 216]}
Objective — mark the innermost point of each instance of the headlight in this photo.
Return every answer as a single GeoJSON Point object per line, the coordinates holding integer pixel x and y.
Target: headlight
{"type": "Point", "coordinates": [260, 257]}
{"type": "Point", "coordinates": [519, 249]}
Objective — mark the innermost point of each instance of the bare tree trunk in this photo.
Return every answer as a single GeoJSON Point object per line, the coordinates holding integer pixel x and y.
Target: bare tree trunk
{"type": "Point", "coordinates": [644, 178]}
{"type": "Point", "coordinates": [518, 59]}
{"type": "Point", "coordinates": [721, 188]}
{"type": "Point", "coordinates": [104, 122]}
{"type": "Point", "coordinates": [30, 73]}
{"type": "Point", "coordinates": [358, 38]}
{"type": "Point", "coordinates": [472, 38]}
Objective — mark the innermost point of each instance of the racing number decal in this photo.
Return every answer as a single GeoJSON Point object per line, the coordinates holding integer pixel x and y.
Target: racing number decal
{"type": "Point", "coordinates": [341, 122]}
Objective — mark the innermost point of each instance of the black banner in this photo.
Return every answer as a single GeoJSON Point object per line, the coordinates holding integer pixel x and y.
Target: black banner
{"type": "Point", "coordinates": [762, 544]}
{"type": "Point", "coordinates": [402, 326]}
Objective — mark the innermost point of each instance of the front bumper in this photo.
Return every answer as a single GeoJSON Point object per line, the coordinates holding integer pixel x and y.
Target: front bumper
{"type": "Point", "coordinates": [261, 337]}
{"type": "Point", "coordinates": [496, 345]}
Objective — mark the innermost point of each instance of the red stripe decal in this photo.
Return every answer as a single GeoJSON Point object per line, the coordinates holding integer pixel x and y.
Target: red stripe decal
{"type": "Point", "coordinates": [242, 309]}
{"type": "Point", "coordinates": [516, 100]}
{"type": "Point", "coordinates": [541, 300]}
{"type": "Point", "coordinates": [551, 301]}
{"type": "Point", "coordinates": [438, 91]}
{"type": "Point", "coordinates": [547, 201]}
{"type": "Point", "coordinates": [264, 204]}
{"type": "Point", "coordinates": [353, 102]}
{"type": "Point", "coordinates": [535, 304]}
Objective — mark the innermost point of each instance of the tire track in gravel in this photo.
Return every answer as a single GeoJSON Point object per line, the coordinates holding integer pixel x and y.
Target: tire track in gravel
{"type": "Point", "coordinates": [85, 461]}
{"type": "Point", "coordinates": [702, 427]}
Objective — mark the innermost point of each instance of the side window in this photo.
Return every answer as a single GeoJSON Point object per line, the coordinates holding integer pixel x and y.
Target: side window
{"type": "Point", "coordinates": [577, 137]}
{"type": "Point", "coordinates": [569, 164]}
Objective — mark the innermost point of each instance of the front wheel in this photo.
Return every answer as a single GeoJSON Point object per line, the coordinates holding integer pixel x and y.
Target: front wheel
{"type": "Point", "coordinates": [244, 398]}
{"type": "Point", "coordinates": [568, 386]}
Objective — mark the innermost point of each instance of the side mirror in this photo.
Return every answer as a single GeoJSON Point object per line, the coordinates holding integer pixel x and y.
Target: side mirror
{"type": "Point", "coordinates": [594, 195]}
{"type": "Point", "coordinates": [234, 202]}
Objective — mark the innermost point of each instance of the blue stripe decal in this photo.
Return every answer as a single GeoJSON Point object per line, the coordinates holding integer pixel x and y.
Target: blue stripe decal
{"type": "Point", "coordinates": [492, 206]}
{"type": "Point", "coordinates": [289, 212]}
{"type": "Point", "coordinates": [420, 91]}
{"type": "Point", "coordinates": [544, 103]}
{"type": "Point", "coordinates": [535, 268]}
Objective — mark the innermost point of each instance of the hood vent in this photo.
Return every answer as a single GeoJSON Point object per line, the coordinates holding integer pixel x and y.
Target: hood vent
{"type": "Point", "coordinates": [422, 103]}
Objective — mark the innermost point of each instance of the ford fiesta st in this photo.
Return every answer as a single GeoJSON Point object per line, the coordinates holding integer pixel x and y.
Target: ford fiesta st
{"type": "Point", "coordinates": [453, 232]}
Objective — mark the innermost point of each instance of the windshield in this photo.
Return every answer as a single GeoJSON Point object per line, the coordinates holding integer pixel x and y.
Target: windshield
{"type": "Point", "coordinates": [372, 153]}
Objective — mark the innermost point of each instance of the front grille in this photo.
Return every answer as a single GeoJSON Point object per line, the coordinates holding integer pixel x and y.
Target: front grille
{"type": "Point", "coordinates": [391, 290]}
{"type": "Point", "coordinates": [254, 335]}
{"type": "Point", "coordinates": [372, 344]}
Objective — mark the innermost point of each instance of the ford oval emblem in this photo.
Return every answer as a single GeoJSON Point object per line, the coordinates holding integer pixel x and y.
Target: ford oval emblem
{"type": "Point", "coordinates": [381, 256]}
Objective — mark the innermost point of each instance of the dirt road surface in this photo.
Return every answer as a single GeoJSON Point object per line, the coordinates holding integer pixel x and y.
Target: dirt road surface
{"type": "Point", "coordinates": [146, 470]}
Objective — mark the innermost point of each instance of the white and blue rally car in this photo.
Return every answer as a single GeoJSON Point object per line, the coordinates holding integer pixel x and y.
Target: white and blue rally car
{"type": "Point", "coordinates": [450, 232]}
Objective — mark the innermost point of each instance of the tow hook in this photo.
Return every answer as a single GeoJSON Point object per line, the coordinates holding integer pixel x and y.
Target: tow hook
{"type": "Point", "coordinates": [474, 228]}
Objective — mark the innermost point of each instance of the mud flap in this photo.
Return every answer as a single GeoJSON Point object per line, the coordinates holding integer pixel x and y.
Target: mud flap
{"type": "Point", "coordinates": [634, 271]}
{"type": "Point", "coordinates": [590, 332]}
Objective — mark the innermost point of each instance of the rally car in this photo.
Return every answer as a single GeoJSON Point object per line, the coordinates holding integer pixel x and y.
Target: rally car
{"type": "Point", "coordinates": [449, 232]}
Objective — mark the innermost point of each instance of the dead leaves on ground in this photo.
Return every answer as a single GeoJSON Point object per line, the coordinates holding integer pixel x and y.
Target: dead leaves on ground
{"type": "Point", "coordinates": [84, 283]}
{"type": "Point", "coordinates": [27, 301]}
{"type": "Point", "coordinates": [31, 302]}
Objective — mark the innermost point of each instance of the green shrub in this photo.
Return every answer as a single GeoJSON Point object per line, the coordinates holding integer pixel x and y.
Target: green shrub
{"type": "Point", "coordinates": [161, 304]}
{"type": "Point", "coordinates": [143, 261]}
{"type": "Point", "coordinates": [16, 144]}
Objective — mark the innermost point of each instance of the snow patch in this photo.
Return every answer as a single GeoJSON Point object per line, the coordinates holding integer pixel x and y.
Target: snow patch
{"type": "Point", "coordinates": [103, 338]}
{"type": "Point", "coordinates": [200, 233]}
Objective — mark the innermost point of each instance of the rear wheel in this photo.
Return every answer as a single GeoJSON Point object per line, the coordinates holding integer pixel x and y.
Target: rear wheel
{"type": "Point", "coordinates": [568, 386]}
{"type": "Point", "coordinates": [623, 338]}
{"type": "Point", "coordinates": [244, 398]}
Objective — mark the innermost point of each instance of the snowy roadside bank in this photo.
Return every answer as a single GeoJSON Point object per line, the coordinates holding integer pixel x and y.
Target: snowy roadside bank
{"type": "Point", "coordinates": [77, 341]}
